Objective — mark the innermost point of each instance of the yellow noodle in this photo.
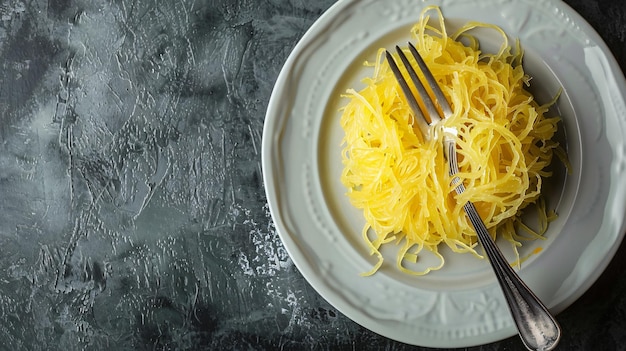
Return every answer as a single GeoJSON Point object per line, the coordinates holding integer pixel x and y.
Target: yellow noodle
{"type": "Point", "coordinates": [400, 181]}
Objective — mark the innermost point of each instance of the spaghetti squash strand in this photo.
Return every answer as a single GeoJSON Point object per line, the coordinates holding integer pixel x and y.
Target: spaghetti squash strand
{"type": "Point", "coordinates": [399, 180]}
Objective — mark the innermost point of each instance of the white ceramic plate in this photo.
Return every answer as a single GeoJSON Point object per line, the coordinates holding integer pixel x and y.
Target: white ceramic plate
{"type": "Point", "coordinates": [461, 305]}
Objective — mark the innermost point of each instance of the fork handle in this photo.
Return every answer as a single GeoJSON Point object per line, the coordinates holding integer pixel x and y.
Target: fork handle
{"type": "Point", "coordinates": [537, 328]}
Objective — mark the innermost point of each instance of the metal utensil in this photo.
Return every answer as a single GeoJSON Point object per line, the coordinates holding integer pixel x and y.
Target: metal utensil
{"type": "Point", "coordinates": [537, 328]}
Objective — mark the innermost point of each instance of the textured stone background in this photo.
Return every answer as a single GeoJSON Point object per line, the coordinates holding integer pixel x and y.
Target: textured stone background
{"type": "Point", "coordinates": [132, 209]}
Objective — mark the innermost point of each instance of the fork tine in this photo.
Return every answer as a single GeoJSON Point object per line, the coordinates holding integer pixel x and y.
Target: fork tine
{"type": "Point", "coordinates": [410, 98]}
{"type": "Point", "coordinates": [441, 99]}
{"type": "Point", "coordinates": [429, 105]}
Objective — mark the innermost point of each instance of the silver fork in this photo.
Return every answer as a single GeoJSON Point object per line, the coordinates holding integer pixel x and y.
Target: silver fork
{"type": "Point", "coordinates": [537, 328]}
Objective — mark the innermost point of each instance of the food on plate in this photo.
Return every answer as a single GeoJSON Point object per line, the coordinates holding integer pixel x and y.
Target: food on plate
{"type": "Point", "coordinates": [505, 144]}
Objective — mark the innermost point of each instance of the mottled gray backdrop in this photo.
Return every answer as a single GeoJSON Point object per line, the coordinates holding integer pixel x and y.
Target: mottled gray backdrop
{"type": "Point", "coordinates": [132, 208]}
